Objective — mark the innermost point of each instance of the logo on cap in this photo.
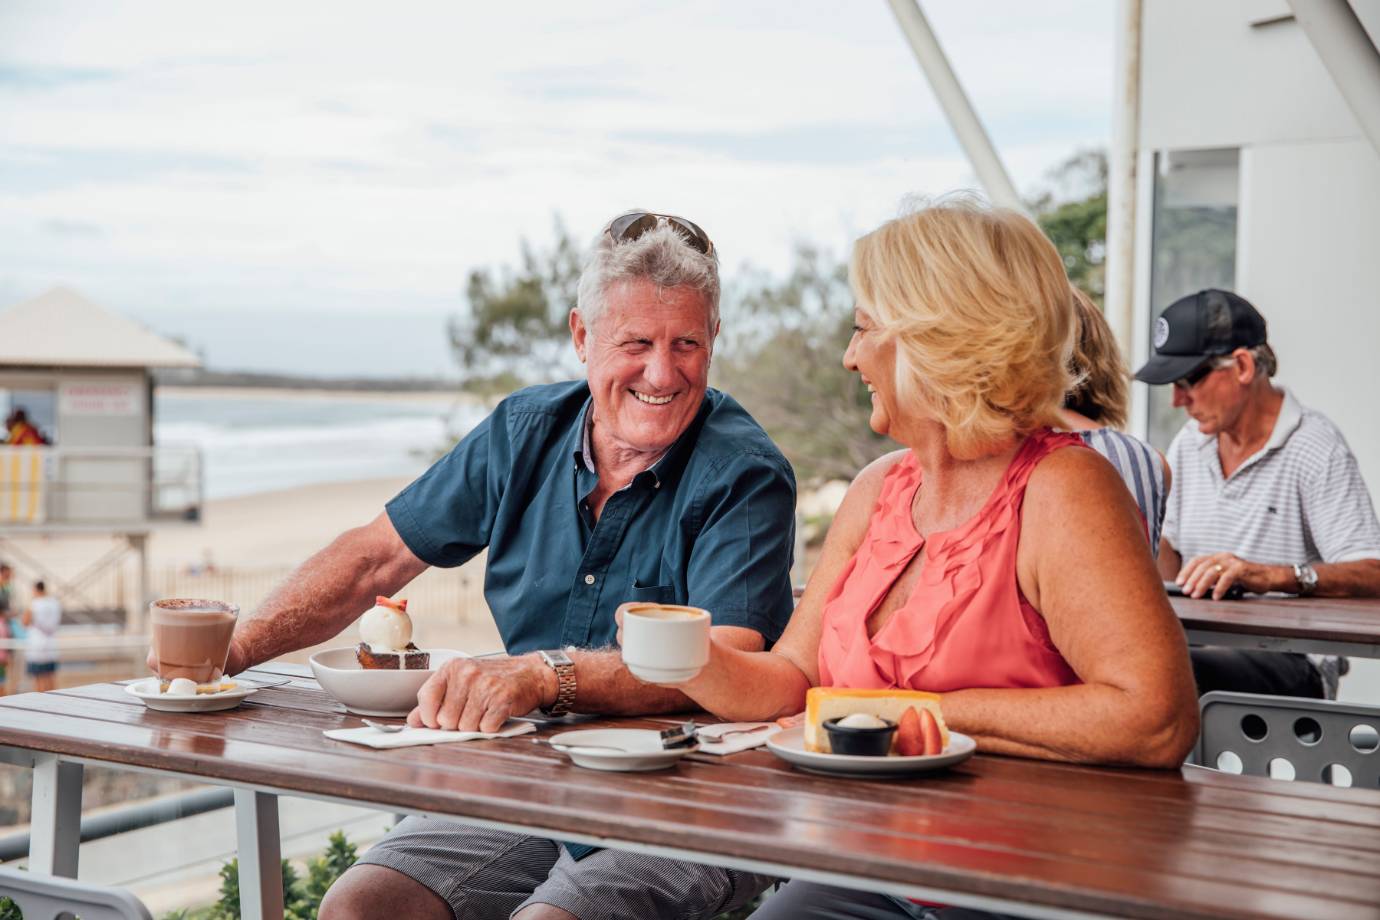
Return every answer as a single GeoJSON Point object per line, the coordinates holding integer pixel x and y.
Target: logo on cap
{"type": "Point", "coordinates": [1161, 332]}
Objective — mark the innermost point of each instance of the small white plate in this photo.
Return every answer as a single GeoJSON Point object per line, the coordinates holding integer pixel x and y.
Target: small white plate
{"type": "Point", "coordinates": [147, 691]}
{"type": "Point", "coordinates": [642, 750]}
{"type": "Point", "coordinates": [789, 745]}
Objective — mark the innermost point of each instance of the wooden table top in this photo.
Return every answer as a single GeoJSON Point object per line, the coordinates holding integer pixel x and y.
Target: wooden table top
{"type": "Point", "coordinates": [1321, 619]}
{"type": "Point", "coordinates": [1121, 842]}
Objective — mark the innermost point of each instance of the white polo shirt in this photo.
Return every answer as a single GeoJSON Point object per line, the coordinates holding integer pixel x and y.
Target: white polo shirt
{"type": "Point", "coordinates": [1300, 498]}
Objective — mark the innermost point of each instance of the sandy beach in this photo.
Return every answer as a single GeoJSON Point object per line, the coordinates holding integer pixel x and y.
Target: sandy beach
{"type": "Point", "coordinates": [245, 546]}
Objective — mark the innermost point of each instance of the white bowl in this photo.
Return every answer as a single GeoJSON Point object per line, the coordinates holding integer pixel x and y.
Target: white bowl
{"type": "Point", "coordinates": [373, 692]}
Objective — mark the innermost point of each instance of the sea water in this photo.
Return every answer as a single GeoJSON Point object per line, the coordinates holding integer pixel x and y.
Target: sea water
{"type": "Point", "coordinates": [281, 440]}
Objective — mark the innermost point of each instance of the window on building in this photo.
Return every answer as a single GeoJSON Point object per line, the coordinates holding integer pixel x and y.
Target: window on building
{"type": "Point", "coordinates": [1193, 245]}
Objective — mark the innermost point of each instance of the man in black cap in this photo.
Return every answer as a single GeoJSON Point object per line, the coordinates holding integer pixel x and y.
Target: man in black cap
{"type": "Point", "coordinates": [1267, 495]}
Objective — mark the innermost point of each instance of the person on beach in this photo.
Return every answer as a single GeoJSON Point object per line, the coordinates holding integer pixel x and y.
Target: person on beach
{"type": "Point", "coordinates": [635, 483]}
{"type": "Point", "coordinates": [1098, 406]}
{"type": "Point", "coordinates": [1267, 493]}
{"type": "Point", "coordinates": [41, 620]}
{"type": "Point", "coordinates": [994, 560]}
{"type": "Point", "coordinates": [20, 432]}
{"type": "Point", "coordinates": [6, 631]}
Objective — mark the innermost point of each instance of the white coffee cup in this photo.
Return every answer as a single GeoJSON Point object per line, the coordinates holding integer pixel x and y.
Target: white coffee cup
{"type": "Point", "coordinates": [664, 643]}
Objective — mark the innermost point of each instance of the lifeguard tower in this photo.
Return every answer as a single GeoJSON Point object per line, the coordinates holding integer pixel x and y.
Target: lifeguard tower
{"type": "Point", "coordinates": [83, 377]}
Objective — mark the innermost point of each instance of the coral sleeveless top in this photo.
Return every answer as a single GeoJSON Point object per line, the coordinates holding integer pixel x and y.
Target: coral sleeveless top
{"type": "Point", "coordinates": [966, 623]}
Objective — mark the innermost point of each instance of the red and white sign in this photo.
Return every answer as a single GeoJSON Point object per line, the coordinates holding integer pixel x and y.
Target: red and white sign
{"type": "Point", "coordinates": [100, 398]}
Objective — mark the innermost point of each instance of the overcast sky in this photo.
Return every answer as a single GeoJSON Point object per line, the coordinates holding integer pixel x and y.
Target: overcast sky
{"type": "Point", "coordinates": [203, 158]}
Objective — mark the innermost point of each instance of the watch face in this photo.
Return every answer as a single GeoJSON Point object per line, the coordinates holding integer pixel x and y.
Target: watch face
{"type": "Point", "coordinates": [557, 657]}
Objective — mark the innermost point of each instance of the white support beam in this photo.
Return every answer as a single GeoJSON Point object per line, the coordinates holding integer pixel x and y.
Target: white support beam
{"type": "Point", "coordinates": [55, 826]}
{"type": "Point", "coordinates": [1119, 302]}
{"type": "Point", "coordinates": [954, 101]}
{"type": "Point", "coordinates": [1349, 56]}
{"type": "Point", "coordinates": [260, 855]}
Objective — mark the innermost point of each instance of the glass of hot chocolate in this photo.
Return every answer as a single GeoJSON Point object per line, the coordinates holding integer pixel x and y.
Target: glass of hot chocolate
{"type": "Point", "coordinates": [191, 639]}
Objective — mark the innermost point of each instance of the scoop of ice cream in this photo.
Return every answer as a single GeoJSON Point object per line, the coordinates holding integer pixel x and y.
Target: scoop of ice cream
{"type": "Point", "coordinates": [386, 626]}
{"type": "Point", "coordinates": [861, 720]}
{"type": "Point", "coordinates": [182, 686]}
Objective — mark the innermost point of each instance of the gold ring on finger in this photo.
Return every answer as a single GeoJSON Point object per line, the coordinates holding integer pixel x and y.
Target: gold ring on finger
{"type": "Point", "coordinates": [1218, 567]}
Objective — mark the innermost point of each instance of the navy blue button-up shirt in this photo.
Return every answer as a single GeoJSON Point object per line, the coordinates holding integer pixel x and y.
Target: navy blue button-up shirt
{"type": "Point", "coordinates": [710, 524]}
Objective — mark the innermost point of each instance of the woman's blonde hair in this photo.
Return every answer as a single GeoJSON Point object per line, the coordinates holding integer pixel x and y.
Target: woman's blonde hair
{"type": "Point", "coordinates": [1102, 391]}
{"type": "Point", "coordinates": [977, 301]}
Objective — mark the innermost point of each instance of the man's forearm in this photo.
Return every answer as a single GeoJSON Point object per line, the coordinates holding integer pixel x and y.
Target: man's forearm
{"type": "Point", "coordinates": [603, 684]}
{"type": "Point", "coordinates": [1346, 579]}
{"type": "Point", "coordinates": [321, 597]}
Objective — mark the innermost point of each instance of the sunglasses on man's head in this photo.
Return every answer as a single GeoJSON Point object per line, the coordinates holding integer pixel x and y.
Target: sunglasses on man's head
{"type": "Point", "coordinates": [627, 227]}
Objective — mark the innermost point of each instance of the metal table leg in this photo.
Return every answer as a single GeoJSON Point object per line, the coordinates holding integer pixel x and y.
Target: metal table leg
{"type": "Point", "coordinates": [55, 832]}
{"type": "Point", "coordinates": [260, 853]}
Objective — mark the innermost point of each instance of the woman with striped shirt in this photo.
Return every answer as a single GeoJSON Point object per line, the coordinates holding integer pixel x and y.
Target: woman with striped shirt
{"type": "Point", "coordinates": [1097, 406]}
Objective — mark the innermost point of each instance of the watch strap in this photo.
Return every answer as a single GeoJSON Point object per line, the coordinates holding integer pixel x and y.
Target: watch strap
{"type": "Point", "coordinates": [1307, 577]}
{"type": "Point", "coordinates": [560, 662]}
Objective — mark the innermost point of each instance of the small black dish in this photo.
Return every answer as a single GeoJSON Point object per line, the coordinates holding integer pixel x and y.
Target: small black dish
{"type": "Point", "coordinates": [860, 742]}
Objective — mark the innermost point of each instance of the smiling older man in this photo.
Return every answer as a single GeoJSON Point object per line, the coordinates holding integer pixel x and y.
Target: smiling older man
{"type": "Point", "coordinates": [638, 483]}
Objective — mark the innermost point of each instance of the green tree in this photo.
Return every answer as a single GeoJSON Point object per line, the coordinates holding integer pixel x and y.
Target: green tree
{"type": "Point", "coordinates": [322, 872]}
{"type": "Point", "coordinates": [1073, 213]}
{"type": "Point", "coordinates": [781, 357]}
{"type": "Point", "coordinates": [515, 329]}
{"type": "Point", "coordinates": [227, 907]}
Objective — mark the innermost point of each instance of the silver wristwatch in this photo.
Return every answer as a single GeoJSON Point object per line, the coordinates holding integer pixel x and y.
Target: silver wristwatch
{"type": "Point", "coordinates": [558, 661]}
{"type": "Point", "coordinates": [1307, 577]}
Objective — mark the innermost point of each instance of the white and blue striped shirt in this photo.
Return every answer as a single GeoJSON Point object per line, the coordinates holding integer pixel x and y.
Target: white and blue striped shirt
{"type": "Point", "coordinates": [1139, 466]}
{"type": "Point", "coordinates": [1300, 498]}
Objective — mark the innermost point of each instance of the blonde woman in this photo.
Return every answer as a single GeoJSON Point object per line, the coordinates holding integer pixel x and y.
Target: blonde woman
{"type": "Point", "coordinates": [1097, 406]}
{"type": "Point", "coordinates": [992, 559]}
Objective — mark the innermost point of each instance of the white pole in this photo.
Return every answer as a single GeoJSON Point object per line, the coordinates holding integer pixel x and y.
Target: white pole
{"type": "Point", "coordinates": [1348, 54]}
{"type": "Point", "coordinates": [1119, 302]}
{"type": "Point", "coordinates": [964, 121]}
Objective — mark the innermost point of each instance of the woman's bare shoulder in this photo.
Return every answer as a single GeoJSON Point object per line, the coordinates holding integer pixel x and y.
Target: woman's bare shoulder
{"type": "Point", "coordinates": [856, 509]}
{"type": "Point", "coordinates": [1076, 480]}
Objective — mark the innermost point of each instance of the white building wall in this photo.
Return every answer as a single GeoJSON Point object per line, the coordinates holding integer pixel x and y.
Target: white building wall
{"type": "Point", "coordinates": [1308, 257]}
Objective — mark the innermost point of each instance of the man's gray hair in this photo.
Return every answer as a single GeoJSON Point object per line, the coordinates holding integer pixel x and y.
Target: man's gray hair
{"type": "Point", "coordinates": [661, 256]}
{"type": "Point", "coordinates": [1266, 363]}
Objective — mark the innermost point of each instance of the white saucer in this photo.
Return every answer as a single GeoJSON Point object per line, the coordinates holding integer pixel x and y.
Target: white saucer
{"type": "Point", "coordinates": [642, 749]}
{"type": "Point", "coordinates": [789, 745]}
{"type": "Point", "coordinates": [147, 691]}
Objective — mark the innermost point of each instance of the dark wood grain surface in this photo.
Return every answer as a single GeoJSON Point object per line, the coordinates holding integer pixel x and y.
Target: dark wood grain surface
{"type": "Point", "coordinates": [1117, 842]}
{"type": "Point", "coordinates": [1324, 619]}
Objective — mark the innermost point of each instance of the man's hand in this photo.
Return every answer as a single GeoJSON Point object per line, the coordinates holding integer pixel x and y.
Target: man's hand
{"type": "Point", "coordinates": [479, 694]}
{"type": "Point", "coordinates": [1219, 571]}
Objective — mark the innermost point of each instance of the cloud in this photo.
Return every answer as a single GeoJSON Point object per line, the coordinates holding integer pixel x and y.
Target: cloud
{"type": "Point", "coordinates": [318, 157]}
{"type": "Point", "coordinates": [45, 78]}
{"type": "Point", "coordinates": [76, 229]}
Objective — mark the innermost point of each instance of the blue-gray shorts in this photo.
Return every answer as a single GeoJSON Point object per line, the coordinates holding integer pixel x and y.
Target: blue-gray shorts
{"type": "Point", "coordinates": [489, 875]}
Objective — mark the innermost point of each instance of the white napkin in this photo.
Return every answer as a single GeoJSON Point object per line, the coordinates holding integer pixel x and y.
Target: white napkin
{"type": "Point", "coordinates": [408, 737]}
{"type": "Point", "coordinates": [734, 743]}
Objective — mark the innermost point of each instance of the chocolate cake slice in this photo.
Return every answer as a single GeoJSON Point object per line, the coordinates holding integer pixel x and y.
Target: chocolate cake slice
{"type": "Point", "coordinates": [411, 659]}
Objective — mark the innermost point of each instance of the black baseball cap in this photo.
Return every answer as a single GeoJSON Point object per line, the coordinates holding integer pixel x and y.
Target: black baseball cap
{"type": "Point", "coordinates": [1195, 329]}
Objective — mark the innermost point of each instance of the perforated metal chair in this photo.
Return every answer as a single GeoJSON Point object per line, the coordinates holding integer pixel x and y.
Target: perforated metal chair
{"type": "Point", "coordinates": [49, 897]}
{"type": "Point", "coordinates": [1283, 737]}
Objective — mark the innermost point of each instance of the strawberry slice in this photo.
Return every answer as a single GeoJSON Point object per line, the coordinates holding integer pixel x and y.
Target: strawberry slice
{"type": "Point", "coordinates": [929, 729]}
{"type": "Point", "coordinates": [400, 606]}
{"type": "Point", "coordinates": [910, 739]}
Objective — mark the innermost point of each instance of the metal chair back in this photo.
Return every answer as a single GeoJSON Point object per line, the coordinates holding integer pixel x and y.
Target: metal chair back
{"type": "Point", "coordinates": [1321, 741]}
{"type": "Point", "coordinates": [49, 897]}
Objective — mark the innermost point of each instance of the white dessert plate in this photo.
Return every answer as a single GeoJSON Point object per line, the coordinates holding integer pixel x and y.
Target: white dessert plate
{"type": "Point", "coordinates": [146, 690]}
{"type": "Point", "coordinates": [639, 749]}
{"type": "Point", "coordinates": [373, 692]}
{"type": "Point", "coordinates": [789, 745]}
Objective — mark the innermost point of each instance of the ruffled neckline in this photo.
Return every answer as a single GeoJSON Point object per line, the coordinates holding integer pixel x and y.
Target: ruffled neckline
{"type": "Point", "coordinates": [953, 571]}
